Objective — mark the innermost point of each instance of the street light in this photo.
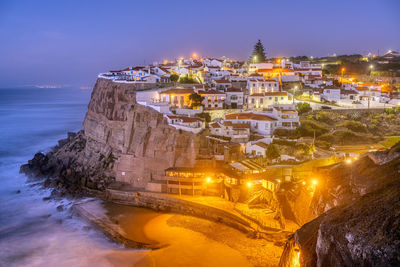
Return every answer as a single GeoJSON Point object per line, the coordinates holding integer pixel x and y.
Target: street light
{"type": "Point", "coordinates": [314, 182]}
{"type": "Point", "coordinates": [348, 161]}
{"type": "Point", "coordinates": [294, 92]}
{"type": "Point", "coordinates": [249, 184]}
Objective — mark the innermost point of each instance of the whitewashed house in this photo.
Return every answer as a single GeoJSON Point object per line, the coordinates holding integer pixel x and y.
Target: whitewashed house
{"type": "Point", "coordinates": [331, 93]}
{"type": "Point", "coordinates": [266, 99]}
{"type": "Point", "coordinates": [260, 123]}
{"type": "Point", "coordinates": [234, 98]}
{"type": "Point", "coordinates": [213, 99]}
{"type": "Point", "coordinates": [237, 132]}
{"type": "Point", "coordinates": [262, 85]}
{"type": "Point", "coordinates": [190, 124]}
{"type": "Point", "coordinates": [256, 149]}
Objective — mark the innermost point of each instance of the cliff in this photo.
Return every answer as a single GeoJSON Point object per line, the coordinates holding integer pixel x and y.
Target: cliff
{"type": "Point", "coordinates": [121, 140]}
{"type": "Point", "coordinates": [359, 220]}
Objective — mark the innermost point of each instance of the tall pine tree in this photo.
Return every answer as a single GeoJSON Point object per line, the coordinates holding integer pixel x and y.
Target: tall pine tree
{"type": "Point", "coordinates": [258, 54]}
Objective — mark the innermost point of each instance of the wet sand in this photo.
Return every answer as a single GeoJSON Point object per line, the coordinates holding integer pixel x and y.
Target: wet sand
{"type": "Point", "coordinates": [185, 241]}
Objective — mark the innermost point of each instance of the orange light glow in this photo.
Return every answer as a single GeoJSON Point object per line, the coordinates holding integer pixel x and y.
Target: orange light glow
{"type": "Point", "coordinates": [348, 161]}
{"type": "Point", "coordinates": [194, 55]}
{"type": "Point", "coordinates": [249, 184]}
{"type": "Point", "coordinates": [314, 182]}
{"type": "Point", "coordinates": [208, 180]}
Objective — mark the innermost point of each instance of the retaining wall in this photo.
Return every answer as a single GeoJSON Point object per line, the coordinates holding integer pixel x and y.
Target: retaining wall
{"type": "Point", "coordinates": [164, 203]}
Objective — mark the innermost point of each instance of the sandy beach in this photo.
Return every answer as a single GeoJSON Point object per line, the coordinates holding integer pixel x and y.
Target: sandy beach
{"type": "Point", "coordinates": [185, 241]}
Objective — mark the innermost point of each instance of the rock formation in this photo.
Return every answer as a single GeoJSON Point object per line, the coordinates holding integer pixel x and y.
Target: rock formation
{"type": "Point", "coordinates": [121, 140]}
{"type": "Point", "coordinates": [359, 220]}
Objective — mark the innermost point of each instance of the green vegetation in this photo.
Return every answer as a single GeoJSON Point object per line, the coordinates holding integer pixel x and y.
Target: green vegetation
{"type": "Point", "coordinates": [303, 107]}
{"type": "Point", "coordinates": [186, 80]}
{"type": "Point", "coordinates": [258, 54]}
{"type": "Point", "coordinates": [391, 141]}
{"type": "Point", "coordinates": [335, 128]}
{"type": "Point", "coordinates": [272, 152]}
{"type": "Point", "coordinates": [195, 100]}
{"type": "Point", "coordinates": [355, 126]}
{"type": "Point", "coordinates": [323, 117]}
{"type": "Point", "coordinates": [308, 128]}
{"type": "Point", "coordinates": [174, 77]}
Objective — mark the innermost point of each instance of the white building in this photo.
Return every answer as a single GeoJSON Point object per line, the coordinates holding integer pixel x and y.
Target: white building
{"type": "Point", "coordinates": [238, 132]}
{"type": "Point", "coordinates": [234, 98]}
{"type": "Point", "coordinates": [256, 149]}
{"type": "Point", "coordinates": [266, 99]}
{"type": "Point", "coordinates": [260, 123]}
{"type": "Point", "coordinates": [190, 124]}
{"type": "Point", "coordinates": [331, 94]}
{"type": "Point", "coordinates": [262, 85]}
{"type": "Point", "coordinates": [213, 99]}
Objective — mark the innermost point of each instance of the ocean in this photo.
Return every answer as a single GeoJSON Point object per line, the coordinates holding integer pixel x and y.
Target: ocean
{"type": "Point", "coordinates": [33, 232]}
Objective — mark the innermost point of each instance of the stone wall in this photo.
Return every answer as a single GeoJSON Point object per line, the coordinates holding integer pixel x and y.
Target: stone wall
{"type": "Point", "coordinates": [160, 202]}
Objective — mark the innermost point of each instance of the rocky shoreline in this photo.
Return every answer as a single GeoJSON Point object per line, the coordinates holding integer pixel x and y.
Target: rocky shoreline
{"type": "Point", "coordinates": [120, 136]}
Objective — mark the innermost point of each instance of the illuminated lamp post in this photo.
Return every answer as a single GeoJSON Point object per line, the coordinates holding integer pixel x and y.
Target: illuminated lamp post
{"type": "Point", "coordinates": [343, 69]}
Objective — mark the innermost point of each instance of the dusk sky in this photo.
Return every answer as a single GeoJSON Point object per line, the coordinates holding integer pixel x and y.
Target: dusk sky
{"type": "Point", "coordinates": [69, 42]}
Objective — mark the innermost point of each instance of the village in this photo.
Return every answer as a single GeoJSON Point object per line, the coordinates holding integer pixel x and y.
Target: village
{"type": "Point", "coordinates": [249, 112]}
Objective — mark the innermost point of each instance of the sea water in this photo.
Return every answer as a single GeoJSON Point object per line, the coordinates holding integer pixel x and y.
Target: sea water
{"type": "Point", "coordinates": [33, 232]}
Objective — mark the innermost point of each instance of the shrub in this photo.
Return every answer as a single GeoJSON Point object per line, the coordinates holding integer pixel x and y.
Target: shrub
{"type": "Point", "coordinates": [303, 107]}
{"type": "Point", "coordinates": [307, 128]}
{"type": "Point", "coordinates": [347, 137]}
{"type": "Point", "coordinates": [284, 142]}
{"type": "Point", "coordinates": [272, 152]}
{"type": "Point", "coordinates": [323, 117]}
{"type": "Point", "coordinates": [174, 77]}
{"type": "Point", "coordinates": [327, 138]}
{"type": "Point", "coordinates": [355, 126]}
{"type": "Point", "coordinates": [323, 144]}
{"type": "Point", "coordinates": [285, 133]}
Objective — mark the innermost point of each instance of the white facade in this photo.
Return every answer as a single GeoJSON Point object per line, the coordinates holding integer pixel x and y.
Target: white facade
{"type": "Point", "coordinates": [260, 123]}
{"type": "Point", "coordinates": [238, 132]}
{"type": "Point", "coordinates": [234, 98]}
{"type": "Point", "coordinates": [262, 85]}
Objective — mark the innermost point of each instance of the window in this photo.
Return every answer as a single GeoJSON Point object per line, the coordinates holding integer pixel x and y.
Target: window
{"type": "Point", "coordinates": [276, 98]}
{"type": "Point", "coordinates": [261, 100]}
{"type": "Point", "coordinates": [281, 97]}
{"type": "Point", "coordinates": [270, 98]}
{"type": "Point", "coordinates": [252, 100]}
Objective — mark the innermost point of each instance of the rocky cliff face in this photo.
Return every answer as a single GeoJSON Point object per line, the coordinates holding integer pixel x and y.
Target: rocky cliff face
{"type": "Point", "coordinates": [360, 220]}
{"type": "Point", "coordinates": [121, 140]}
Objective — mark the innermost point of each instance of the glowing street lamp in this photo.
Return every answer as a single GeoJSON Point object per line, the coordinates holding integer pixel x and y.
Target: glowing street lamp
{"type": "Point", "coordinates": [314, 182]}
{"type": "Point", "coordinates": [249, 184]}
{"type": "Point", "coordinates": [194, 56]}
{"type": "Point", "coordinates": [208, 180]}
{"type": "Point", "coordinates": [348, 161]}
{"type": "Point", "coordinates": [304, 182]}
{"type": "Point", "coordinates": [294, 92]}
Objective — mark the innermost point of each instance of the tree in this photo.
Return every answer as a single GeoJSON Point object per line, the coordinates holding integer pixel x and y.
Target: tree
{"type": "Point", "coordinates": [195, 100]}
{"type": "Point", "coordinates": [272, 152]}
{"type": "Point", "coordinates": [303, 107]}
{"type": "Point", "coordinates": [258, 54]}
{"type": "Point", "coordinates": [174, 77]}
